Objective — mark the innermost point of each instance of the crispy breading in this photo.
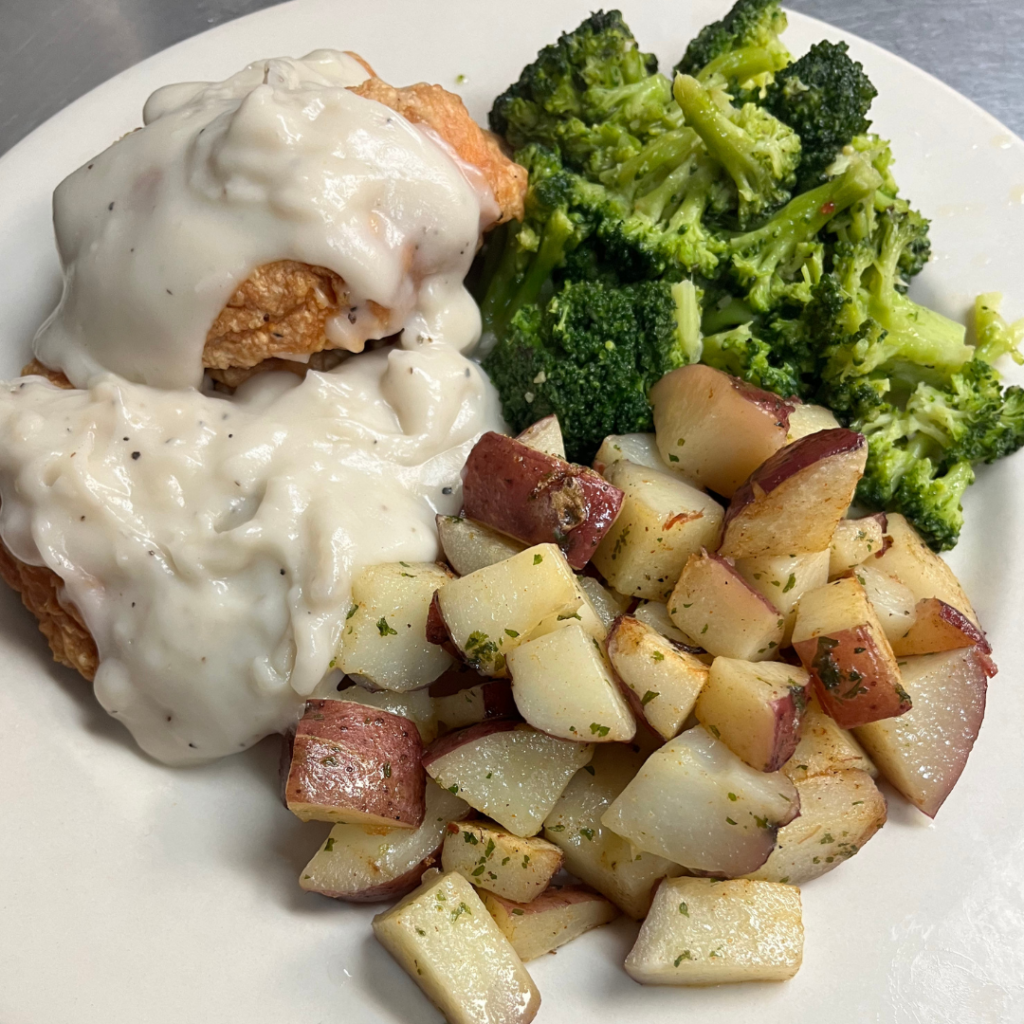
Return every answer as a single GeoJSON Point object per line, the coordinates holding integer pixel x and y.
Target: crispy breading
{"type": "Point", "coordinates": [283, 307]}
{"type": "Point", "coordinates": [36, 369]}
{"type": "Point", "coordinates": [446, 114]}
{"type": "Point", "coordinates": [280, 308]}
{"type": "Point", "coordinates": [40, 589]}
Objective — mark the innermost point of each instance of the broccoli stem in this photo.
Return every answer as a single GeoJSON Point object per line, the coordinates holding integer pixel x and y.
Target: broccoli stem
{"type": "Point", "coordinates": [725, 141]}
{"type": "Point", "coordinates": [512, 287]}
{"type": "Point", "coordinates": [740, 65]}
{"type": "Point", "coordinates": [759, 253]}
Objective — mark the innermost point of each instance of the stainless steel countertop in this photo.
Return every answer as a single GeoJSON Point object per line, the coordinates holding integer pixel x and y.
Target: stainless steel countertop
{"type": "Point", "coordinates": [53, 51]}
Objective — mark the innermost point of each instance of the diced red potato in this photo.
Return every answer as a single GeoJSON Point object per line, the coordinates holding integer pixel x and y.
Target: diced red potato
{"type": "Point", "coordinates": [794, 500]}
{"type": "Point", "coordinates": [893, 603]}
{"type": "Point", "coordinates": [356, 765]}
{"type": "Point", "coordinates": [537, 498]}
{"type": "Point", "coordinates": [784, 579]}
{"type": "Point", "coordinates": [755, 708]}
{"type": "Point", "coordinates": [655, 614]}
{"type": "Point", "coordinates": [490, 858]}
{"type": "Point", "coordinates": [715, 606]}
{"type": "Point", "coordinates": [714, 428]}
{"type": "Point", "coordinates": [443, 937]}
{"type": "Point", "coordinates": [563, 685]}
{"type": "Point", "coordinates": [702, 932]}
{"type": "Point", "coordinates": [840, 641]}
{"type": "Point", "coordinates": [663, 521]}
{"type": "Point", "coordinates": [854, 541]}
{"type": "Point", "coordinates": [554, 918]}
{"type": "Point", "coordinates": [606, 603]}
{"type": "Point", "coordinates": [923, 753]}
{"type": "Point", "coordinates": [825, 747]}
{"type": "Point", "coordinates": [915, 565]}
{"type": "Point", "coordinates": [809, 419]}
{"type": "Point", "coordinates": [593, 852]}
{"type": "Point", "coordinates": [545, 436]}
{"type": "Point", "coordinates": [513, 774]}
{"type": "Point", "coordinates": [494, 609]}
{"type": "Point", "coordinates": [640, 449]}
{"type": "Point", "coordinates": [479, 703]}
{"type": "Point", "coordinates": [586, 615]}
{"type": "Point", "coordinates": [365, 864]}
{"type": "Point", "coordinates": [661, 681]}
{"type": "Point", "coordinates": [939, 627]}
{"type": "Point", "coordinates": [469, 546]}
{"type": "Point", "coordinates": [415, 705]}
{"type": "Point", "coordinates": [839, 813]}
{"type": "Point", "coordinates": [384, 638]}
{"type": "Point", "coordinates": [696, 803]}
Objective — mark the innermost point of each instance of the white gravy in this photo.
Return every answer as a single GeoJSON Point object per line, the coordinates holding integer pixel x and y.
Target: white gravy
{"type": "Point", "coordinates": [280, 161]}
{"type": "Point", "coordinates": [209, 542]}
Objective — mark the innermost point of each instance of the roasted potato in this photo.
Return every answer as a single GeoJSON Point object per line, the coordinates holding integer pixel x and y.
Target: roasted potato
{"type": "Point", "coordinates": [511, 773]}
{"type": "Point", "coordinates": [447, 942]}
{"type": "Point", "coordinates": [491, 858]}
{"type": "Point", "coordinates": [537, 498]}
{"type": "Point", "coordinates": [356, 765]}
{"type": "Point", "coordinates": [702, 932]}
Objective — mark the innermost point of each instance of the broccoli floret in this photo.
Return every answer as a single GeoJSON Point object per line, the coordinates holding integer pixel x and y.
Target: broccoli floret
{"type": "Point", "coordinates": [520, 258]}
{"type": "Point", "coordinates": [742, 46]}
{"type": "Point", "coordinates": [825, 98]}
{"type": "Point", "coordinates": [782, 259]}
{"type": "Point", "coordinates": [593, 97]}
{"type": "Point", "coordinates": [740, 353]}
{"type": "Point", "coordinates": [995, 337]}
{"type": "Point", "coordinates": [872, 276]}
{"type": "Point", "coordinates": [590, 355]}
{"type": "Point", "coordinates": [756, 149]}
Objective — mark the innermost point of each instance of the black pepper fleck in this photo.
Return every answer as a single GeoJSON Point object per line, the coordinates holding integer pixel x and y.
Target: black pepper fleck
{"type": "Point", "coordinates": [136, 455]}
{"type": "Point", "coordinates": [111, 206]}
{"type": "Point", "coordinates": [446, 490]}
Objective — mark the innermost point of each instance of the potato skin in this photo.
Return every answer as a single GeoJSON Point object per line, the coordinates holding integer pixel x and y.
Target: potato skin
{"type": "Point", "coordinates": [538, 498]}
{"type": "Point", "coordinates": [852, 677]}
{"type": "Point", "coordinates": [352, 763]}
{"type": "Point", "coordinates": [453, 740]}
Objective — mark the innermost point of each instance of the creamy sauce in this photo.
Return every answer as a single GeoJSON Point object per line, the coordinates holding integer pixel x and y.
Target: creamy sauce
{"type": "Point", "coordinates": [280, 161]}
{"type": "Point", "coordinates": [209, 542]}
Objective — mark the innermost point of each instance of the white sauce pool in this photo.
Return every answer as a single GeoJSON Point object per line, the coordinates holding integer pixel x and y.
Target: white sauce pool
{"type": "Point", "coordinates": [208, 542]}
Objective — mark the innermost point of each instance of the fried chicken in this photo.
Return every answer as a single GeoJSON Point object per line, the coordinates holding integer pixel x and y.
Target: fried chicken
{"type": "Point", "coordinates": [282, 309]}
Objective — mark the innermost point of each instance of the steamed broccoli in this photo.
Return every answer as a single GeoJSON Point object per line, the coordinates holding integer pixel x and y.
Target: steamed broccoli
{"type": "Point", "coordinates": [743, 46]}
{"type": "Point", "coordinates": [758, 151]}
{"type": "Point", "coordinates": [591, 354]}
{"type": "Point", "coordinates": [782, 259]}
{"type": "Point", "coordinates": [592, 97]}
{"type": "Point", "coordinates": [825, 98]}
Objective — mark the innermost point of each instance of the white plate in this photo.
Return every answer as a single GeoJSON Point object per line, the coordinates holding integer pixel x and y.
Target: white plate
{"type": "Point", "coordinates": [132, 892]}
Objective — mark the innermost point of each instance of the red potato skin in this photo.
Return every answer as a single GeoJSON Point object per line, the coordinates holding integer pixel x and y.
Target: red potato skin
{"type": "Point", "coordinates": [789, 722]}
{"type": "Point", "coordinates": [453, 740]}
{"type": "Point", "coordinates": [851, 678]}
{"type": "Point", "coordinates": [940, 627]}
{"type": "Point", "coordinates": [537, 498]}
{"type": "Point", "coordinates": [776, 407]}
{"type": "Point", "coordinates": [787, 462]}
{"type": "Point", "coordinates": [340, 760]}
{"type": "Point", "coordinates": [437, 628]}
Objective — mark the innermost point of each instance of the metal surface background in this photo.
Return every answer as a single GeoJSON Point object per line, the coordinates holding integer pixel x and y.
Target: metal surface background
{"type": "Point", "coordinates": [53, 51]}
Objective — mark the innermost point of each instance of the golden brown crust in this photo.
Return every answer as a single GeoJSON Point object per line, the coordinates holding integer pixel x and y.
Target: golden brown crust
{"type": "Point", "coordinates": [36, 369]}
{"type": "Point", "coordinates": [280, 308]}
{"type": "Point", "coordinates": [446, 114]}
{"type": "Point", "coordinates": [40, 589]}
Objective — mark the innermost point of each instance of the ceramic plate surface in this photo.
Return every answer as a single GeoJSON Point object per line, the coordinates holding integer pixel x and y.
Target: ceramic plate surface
{"type": "Point", "coordinates": [130, 892]}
